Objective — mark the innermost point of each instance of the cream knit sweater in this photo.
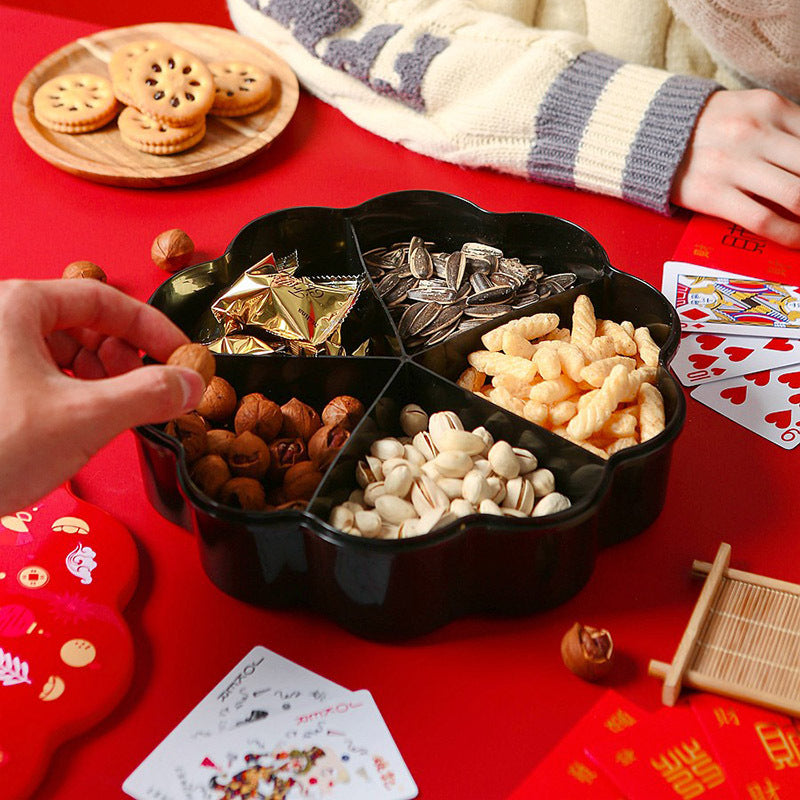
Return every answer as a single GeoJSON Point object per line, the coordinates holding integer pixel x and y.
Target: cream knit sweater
{"type": "Point", "coordinates": [597, 94]}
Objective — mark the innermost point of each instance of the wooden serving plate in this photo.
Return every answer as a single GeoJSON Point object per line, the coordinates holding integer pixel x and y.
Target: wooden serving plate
{"type": "Point", "coordinates": [103, 157]}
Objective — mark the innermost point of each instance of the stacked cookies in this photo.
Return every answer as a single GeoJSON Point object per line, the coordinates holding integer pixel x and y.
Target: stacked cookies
{"type": "Point", "coordinates": [166, 93]}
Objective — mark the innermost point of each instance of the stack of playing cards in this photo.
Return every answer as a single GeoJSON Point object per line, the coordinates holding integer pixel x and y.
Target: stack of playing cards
{"type": "Point", "coordinates": [709, 747]}
{"type": "Point", "coordinates": [272, 730]}
{"type": "Point", "coordinates": [740, 347]}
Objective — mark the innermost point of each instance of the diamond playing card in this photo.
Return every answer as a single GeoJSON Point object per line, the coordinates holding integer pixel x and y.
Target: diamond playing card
{"type": "Point", "coordinates": [767, 403]}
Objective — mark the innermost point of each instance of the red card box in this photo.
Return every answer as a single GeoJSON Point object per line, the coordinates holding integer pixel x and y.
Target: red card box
{"type": "Point", "coordinates": [66, 654]}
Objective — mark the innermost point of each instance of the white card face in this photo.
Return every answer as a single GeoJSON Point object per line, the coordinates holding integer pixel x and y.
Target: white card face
{"type": "Point", "coordinates": [340, 750]}
{"type": "Point", "coordinates": [732, 305]}
{"type": "Point", "coordinates": [706, 357]}
{"type": "Point", "coordinates": [261, 685]}
{"type": "Point", "coordinates": [767, 403]}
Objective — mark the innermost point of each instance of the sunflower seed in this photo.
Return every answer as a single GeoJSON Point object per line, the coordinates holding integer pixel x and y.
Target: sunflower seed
{"type": "Point", "coordinates": [479, 282]}
{"type": "Point", "coordinates": [487, 310]}
{"type": "Point", "coordinates": [427, 316]}
{"type": "Point", "coordinates": [455, 266]}
{"type": "Point", "coordinates": [561, 282]}
{"type": "Point", "coordinates": [492, 294]}
{"type": "Point", "coordinates": [442, 335]}
{"type": "Point", "coordinates": [420, 262]}
{"type": "Point", "coordinates": [387, 283]}
{"type": "Point", "coordinates": [405, 324]}
{"type": "Point", "coordinates": [445, 317]}
{"type": "Point", "coordinates": [480, 250]}
{"type": "Point", "coordinates": [432, 294]}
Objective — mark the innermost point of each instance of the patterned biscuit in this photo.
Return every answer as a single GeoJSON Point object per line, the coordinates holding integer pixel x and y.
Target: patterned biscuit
{"type": "Point", "coordinates": [119, 67]}
{"type": "Point", "coordinates": [648, 349]}
{"type": "Point", "coordinates": [75, 103]}
{"type": "Point", "coordinates": [142, 132]}
{"type": "Point", "coordinates": [172, 86]}
{"type": "Point", "coordinates": [651, 411]}
{"type": "Point", "coordinates": [584, 322]}
{"type": "Point", "coordinates": [594, 414]}
{"type": "Point", "coordinates": [241, 88]}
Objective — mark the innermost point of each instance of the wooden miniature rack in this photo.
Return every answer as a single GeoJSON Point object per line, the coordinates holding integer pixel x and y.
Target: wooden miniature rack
{"type": "Point", "coordinates": [742, 640]}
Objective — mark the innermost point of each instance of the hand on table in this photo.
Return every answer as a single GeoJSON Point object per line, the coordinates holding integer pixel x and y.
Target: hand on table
{"type": "Point", "coordinates": [51, 423]}
{"type": "Point", "coordinates": [743, 164]}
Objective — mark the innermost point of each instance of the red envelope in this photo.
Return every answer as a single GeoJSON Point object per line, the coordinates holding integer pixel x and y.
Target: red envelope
{"type": "Point", "coordinates": [760, 749]}
{"type": "Point", "coordinates": [566, 772]}
{"type": "Point", "coordinates": [667, 755]}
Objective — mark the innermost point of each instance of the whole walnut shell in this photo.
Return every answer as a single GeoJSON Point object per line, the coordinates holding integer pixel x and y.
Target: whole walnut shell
{"type": "Point", "coordinates": [300, 481]}
{"type": "Point", "coordinates": [172, 250]}
{"type": "Point", "coordinates": [343, 410]}
{"type": "Point", "coordinates": [84, 269]}
{"type": "Point", "coordinates": [194, 356]}
{"type": "Point", "coordinates": [299, 420]}
{"type": "Point", "coordinates": [248, 456]}
{"type": "Point", "coordinates": [218, 442]}
{"type": "Point", "coordinates": [190, 431]}
{"type": "Point", "coordinates": [259, 415]}
{"type": "Point", "coordinates": [283, 454]}
{"type": "Point", "coordinates": [244, 493]}
{"type": "Point", "coordinates": [325, 444]}
{"type": "Point", "coordinates": [210, 473]}
{"type": "Point", "coordinates": [219, 400]}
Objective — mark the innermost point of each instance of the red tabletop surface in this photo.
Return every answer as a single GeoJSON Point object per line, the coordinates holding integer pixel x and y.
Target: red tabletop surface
{"type": "Point", "coordinates": [475, 705]}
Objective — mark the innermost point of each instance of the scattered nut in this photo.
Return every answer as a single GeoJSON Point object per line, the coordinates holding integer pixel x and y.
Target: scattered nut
{"type": "Point", "coordinates": [211, 473]}
{"type": "Point", "coordinates": [219, 442]}
{"type": "Point", "coordinates": [196, 357]}
{"type": "Point", "coordinates": [84, 269]}
{"type": "Point", "coordinates": [301, 480]}
{"type": "Point", "coordinates": [248, 456]}
{"type": "Point", "coordinates": [244, 493]}
{"type": "Point", "coordinates": [325, 444]}
{"type": "Point", "coordinates": [285, 453]}
{"type": "Point", "coordinates": [299, 420]}
{"type": "Point", "coordinates": [190, 431]}
{"type": "Point", "coordinates": [587, 651]}
{"type": "Point", "coordinates": [172, 250]}
{"type": "Point", "coordinates": [260, 415]}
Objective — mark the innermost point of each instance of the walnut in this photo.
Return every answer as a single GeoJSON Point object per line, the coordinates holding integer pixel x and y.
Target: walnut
{"type": "Point", "coordinates": [194, 356]}
{"type": "Point", "coordinates": [219, 442]}
{"type": "Point", "coordinates": [260, 415]}
{"type": "Point", "coordinates": [343, 410]}
{"type": "Point", "coordinates": [299, 420]}
{"type": "Point", "coordinates": [84, 269]}
{"type": "Point", "coordinates": [172, 250]}
{"type": "Point", "coordinates": [285, 453]}
{"type": "Point", "coordinates": [248, 456]}
{"type": "Point", "coordinates": [300, 481]}
{"type": "Point", "coordinates": [244, 493]}
{"type": "Point", "coordinates": [325, 444]}
{"type": "Point", "coordinates": [190, 431]}
{"type": "Point", "coordinates": [219, 400]}
{"type": "Point", "coordinates": [210, 473]}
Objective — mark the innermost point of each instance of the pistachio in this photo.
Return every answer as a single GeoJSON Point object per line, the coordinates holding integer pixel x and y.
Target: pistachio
{"type": "Point", "coordinates": [426, 495]}
{"type": "Point", "coordinates": [341, 517]}
{"type": "Point", "coordinates": [543, 481]}
{"type": "Point", "coordinates": [372, 492]}
{"type": "Point", "coordinates": [490, 507]}
{"type": "Point", "coordinates": [488, 439]}
{"type": "Point", "coordinates": [394, 509]}
{"type": "Point", "coordinates": [443, 421]}
{"type": "Point", "coordinates": [413, 455]}
{"type": "Point", "coordinates": [398, 481]}
{"type": "Point", "coordinates": [369, 523]}
{"type": "Point", "coordinates": [452, 487]}
{"type": "Point", "coordinates": [387, 448]}
{"type": "Point", "coordinates": [474, 487]}
{"type": "Point", "coordinates": [497, 489]}
{"type": "Point", "coordinates": [461, 508]}
{"type": "Point", "coordinates": [368, 470]}
{"type": "Point", "coordinates": [453, 464]}
{"type": "Point", "coordinates": [423, 442]}
{"type": "Point", "coordinates": [461, 441]}
{"type": "Point", "coordinates": [519, 495]}
{"type": "Point", "coordinates": [503, 460]}
{"type": "Point", "coordinates": [413, 419]}
{"type": "Point", "coordinates": [527, 460]}
{"type": "Point", "coordinates": [551, 504]}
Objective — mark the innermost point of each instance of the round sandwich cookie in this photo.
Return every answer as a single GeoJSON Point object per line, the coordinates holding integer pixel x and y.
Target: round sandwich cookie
{"type": "Point", "coordinates": [119, 67]}
{"type": "Point", "coordinates": [172, 85]}
{"type": "Point", "coordinates": [142, 132]}
{"type": "Point", "coordinates": [241, 88]}
{"type": "Point", "coordinates": [75, 103]}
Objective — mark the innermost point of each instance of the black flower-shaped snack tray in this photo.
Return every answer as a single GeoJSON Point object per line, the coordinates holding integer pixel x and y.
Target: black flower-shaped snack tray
{"type": "Point", "coordinates": [392, 589]}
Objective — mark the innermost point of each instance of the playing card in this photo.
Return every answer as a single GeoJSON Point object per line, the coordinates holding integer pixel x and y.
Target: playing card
{"type": "Point", "coordinates": [760, 749]}
{"type": "Point", "coordinates": [731, 304]}
{"type": "Point", "coordinates": [261, 685]}
{"type": "Point", "coordinates": [767, 403]}
{"type": "Point", "coordinates": [339, 750]}
{"type": "Point", "coordinates": [706, 357]}
{"type": "Point", "coordinates": [665, 755]}
{"type": "Point", "coordinates": [566, 772]}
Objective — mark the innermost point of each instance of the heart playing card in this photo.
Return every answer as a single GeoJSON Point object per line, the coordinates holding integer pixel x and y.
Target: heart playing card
{"type": "Point", "coordinates": [767, 403]}
{"type": "Point", "coordinates": [706, 357]}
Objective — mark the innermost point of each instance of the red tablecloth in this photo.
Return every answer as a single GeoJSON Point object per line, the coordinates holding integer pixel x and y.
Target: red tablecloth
{"type": "Point", "coordinates": [475, 705]}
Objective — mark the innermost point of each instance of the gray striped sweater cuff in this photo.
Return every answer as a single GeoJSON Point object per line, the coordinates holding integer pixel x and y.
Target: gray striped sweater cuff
{"type": "Point", "coordinates": [617, 128]}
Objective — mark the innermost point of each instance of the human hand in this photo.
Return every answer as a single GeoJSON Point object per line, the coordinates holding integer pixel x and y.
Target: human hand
{"type": "Point", "coordinates": [51, 423]}
{"type": "Point", "coordinates": [743, 164]}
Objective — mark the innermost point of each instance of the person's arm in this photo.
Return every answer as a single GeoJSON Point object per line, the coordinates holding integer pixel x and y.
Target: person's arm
{"type": "Point", "coordinates": [53, 422]}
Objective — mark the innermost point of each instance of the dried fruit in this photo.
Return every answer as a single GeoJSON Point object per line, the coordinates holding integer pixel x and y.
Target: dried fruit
{"type": "Point", "coordinates": [343, 410]}
{"type": "Point", "coordinates": [194, 356]}
{"type": "Point", "coordinates": [210, 473]}
{"type": "Point", "coordinates": [84, 269]}
{"type": "Point", "coordinates": [299, 420]}
{"type": "Point", "coordinates": [587, 651]}
{"type": "Point", "coordinates": [219, 442]}
{"type": "Point", "coordinates": [244, 493]}
{"type": "Point", "coordinates": [260, 415]}
{"type": "Point", "coordinates": [219, 400]}
{"type": "Point", "coordinates": [172, 250]}
{"type": "Point", "coordinates": [325, 444]}
{"type": "Point", "coordinates": [248, 456]}
{"type": "Point", "coordinates": [190, 431]}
